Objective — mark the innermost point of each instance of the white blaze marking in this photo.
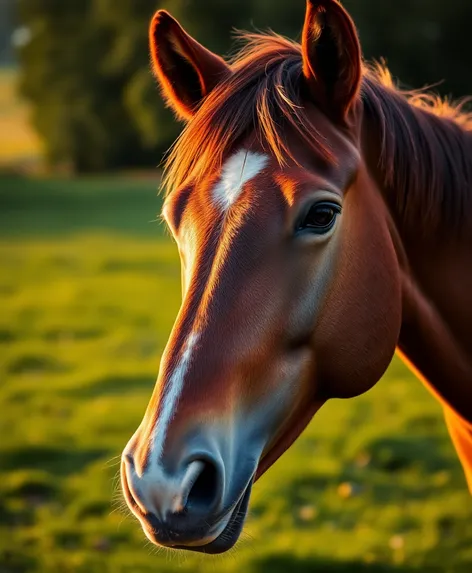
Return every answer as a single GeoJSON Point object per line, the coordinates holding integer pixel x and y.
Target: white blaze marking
{"type": "Point", "coordinates": [171, 398]}
{"type": "Point", "coordinates": [238, 170]}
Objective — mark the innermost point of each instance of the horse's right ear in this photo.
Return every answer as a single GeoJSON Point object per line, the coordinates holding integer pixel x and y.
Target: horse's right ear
{"type": "Point", "coordinates": [187, 72]}
{"type": "Point", "coordinates": [332, 62]}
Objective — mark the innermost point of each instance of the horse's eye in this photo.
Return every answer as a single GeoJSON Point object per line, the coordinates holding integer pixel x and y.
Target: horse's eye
{"type": "Point", "coordinates": [320, 218]}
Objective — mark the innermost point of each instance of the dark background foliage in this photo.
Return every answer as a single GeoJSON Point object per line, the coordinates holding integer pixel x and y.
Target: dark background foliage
{"type": "Point", "coordinates": [85, 68]}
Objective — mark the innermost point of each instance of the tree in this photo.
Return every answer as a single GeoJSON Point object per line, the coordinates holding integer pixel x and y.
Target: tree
{"type": "Point", "coordinates": [95, 102]}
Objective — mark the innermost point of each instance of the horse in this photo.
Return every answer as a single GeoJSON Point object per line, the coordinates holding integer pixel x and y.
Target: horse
{"type": "Point", "coordinates": [323, 219]}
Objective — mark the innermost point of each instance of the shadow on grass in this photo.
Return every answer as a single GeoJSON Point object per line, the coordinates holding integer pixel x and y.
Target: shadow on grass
{"type": "Point", "coordinates": [68, 333]}
{"type": "Point", "coordinates": [111, 386]}
{"type": "Point", "coordinates": [395, 454]}
{"type": "Point", "coordinates": [390, 459]}
{"type": "Point", "coordinates": [53, 207]}
{"type": "Point", "coordinates": [59, 461]}
{"type": "Point", "coordinates": [15, 562]}
{"type": "Point", "coordinates": [36, 363]}
{"type": "Point", "coordinates": [288, 563]}
{"type": "Point", "coordinates": [156, 266]}
{"type": "Point", "coordinates": [305, 489]}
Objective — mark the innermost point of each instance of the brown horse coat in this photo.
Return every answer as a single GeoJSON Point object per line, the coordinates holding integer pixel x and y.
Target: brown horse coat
{"type": "Point", "coordinates": [324, 220]}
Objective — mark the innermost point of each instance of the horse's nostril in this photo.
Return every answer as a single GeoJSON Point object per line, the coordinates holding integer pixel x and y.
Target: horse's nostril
{"type": "Point", "coordinates": [129, 460]}
{"type": "Point", "coordinates": [204, 491]}
{"type": "Point", "coordinates": [126, 484]}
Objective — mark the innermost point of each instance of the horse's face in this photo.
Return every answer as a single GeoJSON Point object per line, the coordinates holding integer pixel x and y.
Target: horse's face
{"type": "Point", "coordinates": [290, 297]}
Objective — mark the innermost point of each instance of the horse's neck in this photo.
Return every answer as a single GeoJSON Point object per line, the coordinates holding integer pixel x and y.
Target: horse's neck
{"type": "Point", "coordinates": [431, 346]}
{"type": "Point", "coordinates": [436, 333]}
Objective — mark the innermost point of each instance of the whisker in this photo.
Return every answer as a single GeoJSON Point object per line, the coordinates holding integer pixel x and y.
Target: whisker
{"type": "Point", "coordinates": [112, 461]}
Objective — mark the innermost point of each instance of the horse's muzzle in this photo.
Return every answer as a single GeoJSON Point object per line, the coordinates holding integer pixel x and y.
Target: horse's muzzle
{"type": "Point", "coordinates": [196, 503]}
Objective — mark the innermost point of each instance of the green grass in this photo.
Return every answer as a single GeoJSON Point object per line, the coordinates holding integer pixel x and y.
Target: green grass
{"type": "Point", "coordinates": [89, 288]}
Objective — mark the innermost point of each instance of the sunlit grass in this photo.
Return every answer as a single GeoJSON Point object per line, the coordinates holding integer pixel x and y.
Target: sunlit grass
{"type": "Point", "coordinates": [89, 289]}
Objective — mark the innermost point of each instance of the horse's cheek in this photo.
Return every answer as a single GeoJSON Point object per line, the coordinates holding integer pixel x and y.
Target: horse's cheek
{"type": "Point", "coordinates": [359, 327]}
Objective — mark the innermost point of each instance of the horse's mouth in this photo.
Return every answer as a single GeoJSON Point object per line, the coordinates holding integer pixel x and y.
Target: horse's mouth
{"type": "Point", "coordinates": [231, 532]}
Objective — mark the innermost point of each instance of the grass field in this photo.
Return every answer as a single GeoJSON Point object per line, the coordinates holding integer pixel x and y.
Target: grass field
{"type": "Point", "coordinates": [89, 287]}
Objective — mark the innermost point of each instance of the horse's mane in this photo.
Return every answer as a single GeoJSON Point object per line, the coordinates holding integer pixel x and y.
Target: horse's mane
{"type": "Point", "coordinates": [425, 154]}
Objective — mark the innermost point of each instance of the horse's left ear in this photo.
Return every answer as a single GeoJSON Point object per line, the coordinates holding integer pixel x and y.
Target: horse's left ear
{"type": "Point", "coordinates": [332, 62]}
{"type": "Point", "coordinates": [186, 70]}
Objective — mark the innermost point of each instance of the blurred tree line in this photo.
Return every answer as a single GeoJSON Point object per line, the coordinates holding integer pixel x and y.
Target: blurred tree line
{"type": "Point", "coordinates": [85, 68]}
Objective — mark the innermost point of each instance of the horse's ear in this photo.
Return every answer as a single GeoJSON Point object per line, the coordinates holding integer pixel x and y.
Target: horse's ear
{"type": "Point", "coordinates": [186, 71]}
{"type": "Point", "coordinates": [332, 62]}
